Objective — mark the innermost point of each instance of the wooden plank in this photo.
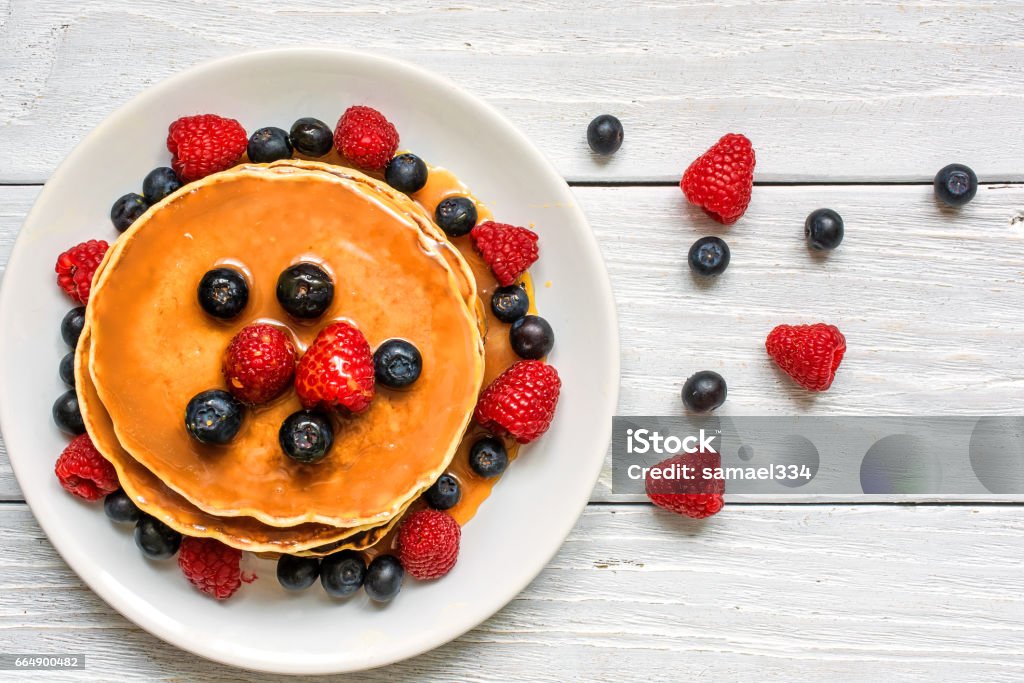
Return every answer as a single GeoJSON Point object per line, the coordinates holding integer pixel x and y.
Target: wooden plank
{"type": "Point", "coordinates": [824, 94]}
{"type": "Point", "coordinates": [758, 593]}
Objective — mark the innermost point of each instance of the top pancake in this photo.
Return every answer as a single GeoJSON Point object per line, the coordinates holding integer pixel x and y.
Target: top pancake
{"type": "Point", "coordinates": [395, 275]}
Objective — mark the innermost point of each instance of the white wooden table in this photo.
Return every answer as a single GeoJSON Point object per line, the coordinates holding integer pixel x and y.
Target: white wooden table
{"type": "Point", "coordinates": [852, 105]}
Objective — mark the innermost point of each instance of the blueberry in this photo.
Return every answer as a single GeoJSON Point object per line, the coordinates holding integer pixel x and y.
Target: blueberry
{"type": "Point", "coordinates": [120, 508]}
{"type": "Point", "coordinates": [268, 144]}
{"type": "Point", "coordinates": [213, 417]}
{"type": "Point", "coordinates": [704, 391]}
{"type": "Point", "coordinates": [306, 437]}
{"type": "Point", "coordinates": [488, 457]}
{"type": "Point", "coordinates": [445, 493]}
{"type": "Point", "coordinates": [156, 540]}
{"type": "Point", "coordinates": [297, 573]}
{"type": "Point", "coordinates": [223, 293]}
{"type": "Point", "coordinates": [531, 337]}
{"type": "Point", "coordinates": [305, 290]}
{"type": "Point", "coordinates": [341, 574]}
{"type": "Point", "coordinates": [384, 578]}
{"type": "Point", "coordinates": [71, 326]}
{"type": "Point", "coordinates": [406, 173]}
{"type": "Point", "coordinates": [159, 183]}
{"type": "Point", "coordinates": [510, 303]}
{"type": "Point", "coordinates": [126, 210]}
{"type": "Point", "coordinates": [67, 414]}
{"type": "Point", "coordinates": [311, 137]}
{"type": "Point", "coordinates": [456, 216]}
{"type": "Point", "coordinates": [709, 256]}
{"type": "Point", "coordinates": [823, 229]}
{"type": "Point", "coordinates": [67, 369]}
{"type": "Point", "coordinates": [604, 134]}
{"type": "Point", "coordinates": [955, 185]}
{"type": "Point", "coordinates": [397, 363]}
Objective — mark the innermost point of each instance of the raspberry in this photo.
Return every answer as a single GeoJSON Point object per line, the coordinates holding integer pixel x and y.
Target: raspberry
{"type": "Point", "coordinates": [509, 250]}
{"type": "Point", "coordinates": [259, 363]}
{"type": "Point", "coordinates": [697, 497]}
{"type": "Point", "coordinates": [521, 401]}
{"type": "Point", "coordinates": [366, 138]}
{"type": "Point", "coordinates": [76, 266]}
{"type": "Point", "coordinates": [720, 180]}
{"type": "Point", "coordinates": [337, 370]}
{"type": "Point", "coordinates": [211, 566]}
{"type": "Point", "coordinates": [428, 544]}
{"type": "Point", "coordinates": [205, 144]}
{"type": "Point", "coordinates": [810, 354]}
{"type": "Point", "coordinates": [84, 472]}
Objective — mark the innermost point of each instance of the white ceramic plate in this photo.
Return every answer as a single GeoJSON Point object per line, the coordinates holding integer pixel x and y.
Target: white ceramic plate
{"type": "Point", "coordinates": [532, 509]}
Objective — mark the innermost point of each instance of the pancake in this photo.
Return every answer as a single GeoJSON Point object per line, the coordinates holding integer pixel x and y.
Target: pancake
{"type": "Point", "coordinates": [152, 347]}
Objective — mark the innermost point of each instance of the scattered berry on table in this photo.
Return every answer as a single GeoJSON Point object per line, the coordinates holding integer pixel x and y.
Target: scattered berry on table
{"type": "Point", "coordinates": [213, 417]}
{"type": "Point", "coordinates": [76, 266]}
{"type": "Point", "coordinates": [366, 138]}
{"type": "Point", "coordinates": [127, 209]}
{"type": "Point", "coordinates": [297, 573]}
{"type": "Point", "coordinates": [305, 290]}
{"type": "Point", "coordinates": [531, 337]}
{"type": "Point", "coordinates": [71, 326]}
{"type": "Point", "coordinates": [428, 544]}
{"type": "Point", "coordinates": [211, 566]}
{"type": "Point", "coordinates": [83, 472]}
{"type": "Point", "coordinates": [156, 540]}
{"type": "Point", "coordinates": [955, 185]}
{"type": "Point", "coordinates": [337, 370]}
{"type": "Point", "coordinates": [406, 173]}
{"type": "Point", "coordinates": [488, 457]}
{"type": "Point", "coordinates": [159, 183]}
{"type": "Point", "coordinates": [721, 180]}
{"type": "Point", "coordinates": [508, 249]}
{"type": "Point", "coordinates": [455, 215]}
{"type": "Point", "coordinates": [311, 137]}
{"type": "Point", "coordinates": [259, 363]}
{"type": "Point", "coordinates": [205, 144]}
{"type": "Point", "coordinates": [342, 574]}
{"type": "Point", "coordinates": [384, 578]}
{"type": "Point", "coordinates": [510, 303]}
{"type": "Point", "coordinates": [306, 437]}
{"type": "Point", "coordinates": [269, 144]}
{"type": "Point", "coordinates": [709, 256]}
{"type": "Point", "coordinates": [445, 493]}
{"type": "Point", "coordinates": [120, 508]}
{"type": "Point", "coordinates": [704, 391]}
{"type": "Point", "coordinates": [823, 229]}
{"type": "Point", "coordinates": [66, 413]}
{"type": "Point", "coordinates": [521, 401]}
{"type": "Point", "coordinates": [67, 369]}
{"type": "Point", "coordinates": [810, 354]}
{"type": "Point", "coordinates": [397, 363]}
{"type": "Point", "coordinates": [223, 293]}
{"type": "Point", "coordinates": [696, 497]}
{"type": "Point", "coordinates": [604, 134]}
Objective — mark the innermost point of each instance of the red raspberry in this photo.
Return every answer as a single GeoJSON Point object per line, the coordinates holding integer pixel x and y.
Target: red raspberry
{"type": "Point", "coordinates": [211, 566]}
{"type": "Point", "coordinates": [259, 363]}
{"type": "Point", "coordinates": [810, 354]}
{"type": "Point", "coordinates": [84, 472]}
{"type": "Point", "coordinates": [366, 138]}
{"type": "Point", "coordinates": [509, 250]}
{"type": "Point", "coordinates": [697, 497]}
{"type": "Point", "coordinates": [428, 544]}
{"type": "Point", "coordinates": [720, 180]}
{"type": "Point", "coordinates": [337, 370]}
{"type": "Point", "coordinates": [521, 401]}
{"type": "Point", "coordinates": [205, 144]}
{"type": "Point", "coordinates": [76, 266]}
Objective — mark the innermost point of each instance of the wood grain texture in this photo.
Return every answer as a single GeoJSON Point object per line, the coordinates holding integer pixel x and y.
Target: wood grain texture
{"type": "Point", "coordinates": [825, 93]}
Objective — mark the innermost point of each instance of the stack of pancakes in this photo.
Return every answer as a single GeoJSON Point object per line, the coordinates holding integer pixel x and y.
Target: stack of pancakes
{"type": "Point", "coordinates": [148, 347]}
